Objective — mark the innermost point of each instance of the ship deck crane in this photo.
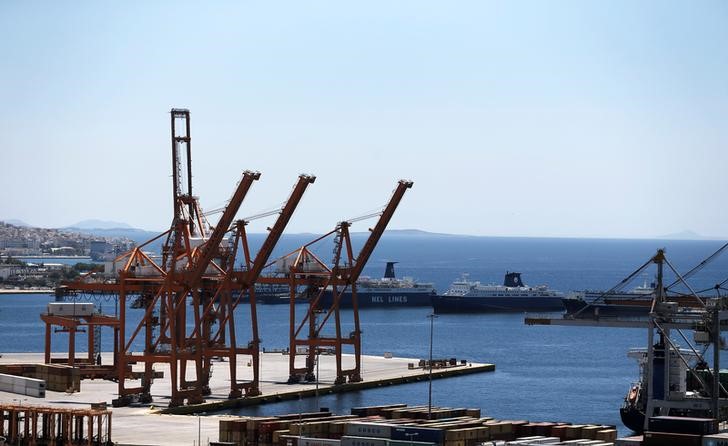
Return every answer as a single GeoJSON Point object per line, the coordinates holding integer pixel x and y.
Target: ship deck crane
{"type": "Point", "coordinates": [707, 316]}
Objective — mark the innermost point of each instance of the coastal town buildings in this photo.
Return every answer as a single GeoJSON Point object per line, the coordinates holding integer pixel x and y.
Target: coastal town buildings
{"type": "Point", "coordinates": [29, 257]}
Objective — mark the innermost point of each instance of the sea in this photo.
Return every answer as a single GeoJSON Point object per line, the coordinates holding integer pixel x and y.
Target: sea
{"type": "Point", "coordinates": [543, 373]}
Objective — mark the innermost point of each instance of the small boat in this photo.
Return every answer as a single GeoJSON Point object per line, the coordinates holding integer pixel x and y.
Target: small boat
{"type": "Point", "coordinates": [465, 296]}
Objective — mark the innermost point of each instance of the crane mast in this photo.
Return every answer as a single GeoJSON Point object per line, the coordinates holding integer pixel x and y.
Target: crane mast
{"type": "Point", "coordinates": [337, 279]}
{"type": "Point", "coordinates": [197, 273]}
{"type": "Point", "coordinates": [244, 283]}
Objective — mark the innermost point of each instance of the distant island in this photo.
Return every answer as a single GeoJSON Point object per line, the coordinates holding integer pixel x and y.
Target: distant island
{"type": "Point", "coordinates": [688, 235]}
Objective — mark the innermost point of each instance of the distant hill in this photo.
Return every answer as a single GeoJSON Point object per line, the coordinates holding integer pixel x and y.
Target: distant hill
{"type": "Point", "coordinates": [16, 222]}
{"type": "Point", "coordinates": [420, 233]}
{"type": "Point", "coordinates": [137, 235]}
{"type": "Point", "coordinates": [687, 235]}
{"type": "Point", "coordinates": [98, 224]}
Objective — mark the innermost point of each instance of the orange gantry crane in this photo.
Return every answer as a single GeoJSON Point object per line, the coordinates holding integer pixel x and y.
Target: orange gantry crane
{"type": "Point", "coordinates": [241, 282]}
{"type": "Point", "coordinates": [302, 268]}
{"type": "Point", "coordinates": [199, 271]}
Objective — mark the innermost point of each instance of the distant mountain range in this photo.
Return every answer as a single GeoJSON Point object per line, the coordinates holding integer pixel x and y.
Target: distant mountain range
{"type": "Point", "coordinates": [137, 235]}
{"type": "Point", "coordinates": [98, 224]}
{"type": "Point", "coordinates": [105, 228]}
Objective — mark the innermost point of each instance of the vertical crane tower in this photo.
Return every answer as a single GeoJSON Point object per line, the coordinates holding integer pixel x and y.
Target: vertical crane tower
{"type": "Point", "coordinates": [197, 270]}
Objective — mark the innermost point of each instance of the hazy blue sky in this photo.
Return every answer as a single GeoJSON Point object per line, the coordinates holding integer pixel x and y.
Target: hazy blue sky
{"type": "Point", "coordinates": [540, 118]}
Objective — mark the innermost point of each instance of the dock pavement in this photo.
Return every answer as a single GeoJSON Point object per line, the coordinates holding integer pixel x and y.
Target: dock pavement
{"type": "Point", "coordinates": [153, 424]}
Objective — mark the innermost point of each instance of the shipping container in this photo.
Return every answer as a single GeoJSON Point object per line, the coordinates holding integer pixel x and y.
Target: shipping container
{"type": "Point", "coordinates": [308, 441]}
{"type": "Point", "coordinates": [421, 434]}
{"type": "Point", "coordinates": [373, 410]}
{"type": "Point", "coordinates": [378, 430]}
{"type": "Point", "coordinates": [535, 440]}
{"type": "Point", "coordinates": [71, 308]}
{"type": "Point", "coordinates": [363, 441]}
{"type": "Point", "coordinates": [22, 385]}
{"type": "Point", "coordinates": [670, 438]}
{"type": "Point", "coordinates": [683, 425]}
{"type": "Point", "coordinates": [608, 435]}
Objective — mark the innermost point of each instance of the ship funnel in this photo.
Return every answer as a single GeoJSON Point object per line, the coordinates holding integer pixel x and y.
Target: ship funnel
{"type": "Point", "coordinates": [389, 271]}
{"type": "Point", "coordinates": [513, 280]}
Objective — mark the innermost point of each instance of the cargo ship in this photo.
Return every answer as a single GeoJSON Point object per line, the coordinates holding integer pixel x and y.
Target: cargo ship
{"type": "Point", "coordinates": [635, 303]}
{"type": "Point", "coordinates": [685, 385]}
{"type": "Point", "coordinates": [389, 291]}
{"type": "Point", "coordinates": [588, 304]}
{"type": "Point", "coordinates": [465, 296]}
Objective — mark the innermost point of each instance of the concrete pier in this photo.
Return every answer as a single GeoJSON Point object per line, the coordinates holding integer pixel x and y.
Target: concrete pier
{"type": "Point", "coordinates": [154, 424]}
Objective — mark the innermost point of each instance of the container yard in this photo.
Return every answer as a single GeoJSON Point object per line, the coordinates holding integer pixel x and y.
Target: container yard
{"type": "Point", "coordinates": [400, 425]}
{"type": "Point", "coordinates": [158, 424]}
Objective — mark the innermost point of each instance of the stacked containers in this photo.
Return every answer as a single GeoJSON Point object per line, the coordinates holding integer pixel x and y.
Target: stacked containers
{"type": "Point", "coordinates": [22, 385]}
{"type": "Point", "coordinates": [59, 378]}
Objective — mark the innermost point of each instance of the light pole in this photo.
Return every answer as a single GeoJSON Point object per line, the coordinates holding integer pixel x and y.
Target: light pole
{"type": "Point", "coordinates": [318, 359]}
{"type": "Point", "coordinates": [432, 317]}
{"type": "Point", "coordinates": [198, 430]}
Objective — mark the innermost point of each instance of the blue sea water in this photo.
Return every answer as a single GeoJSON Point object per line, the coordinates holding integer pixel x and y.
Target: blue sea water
{"type": "Point", "coordinates": [542, 372]}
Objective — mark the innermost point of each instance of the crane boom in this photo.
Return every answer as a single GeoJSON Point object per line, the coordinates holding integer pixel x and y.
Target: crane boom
{"type": "Point", "coordinates": [277, 230]}
{"type": "Point", "coordinates": [209, 249]}
{"type": "Point", "coordinates": [378, 230]}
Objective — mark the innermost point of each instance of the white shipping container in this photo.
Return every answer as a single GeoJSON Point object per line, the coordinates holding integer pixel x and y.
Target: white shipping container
{"type": "Point", "coordinates": [22, 385]}
{"type": "Point", "coordinates": [38, 393]}
{"type": "Point", "coordinates": [71, 308]}
{"type": "Point", "coordinates": [536, 441]}
{"type": "Point", "coordinates": [377, 430]}
{"type": "Point", "coordinates": [32, 382]}
{"type": "Point", "coordinates": [549, 440]}
{"type": "Point", "coordinates": [363, 441]}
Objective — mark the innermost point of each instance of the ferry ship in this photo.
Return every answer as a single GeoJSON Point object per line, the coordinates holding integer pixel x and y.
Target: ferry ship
{"type": "Point", "coordinates": [465, 296]}
{"type": "Point", "coordinates": [389, 291]}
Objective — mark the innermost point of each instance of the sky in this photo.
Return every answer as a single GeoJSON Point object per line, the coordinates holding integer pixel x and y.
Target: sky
{"type": "Point", "coordinates": [513, 118]}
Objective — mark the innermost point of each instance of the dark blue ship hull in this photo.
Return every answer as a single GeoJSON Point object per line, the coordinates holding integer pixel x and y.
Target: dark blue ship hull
{"type": "Point", "coordinates": [456, 304]}
{"type": "Point", "coordinates": [366, 299]}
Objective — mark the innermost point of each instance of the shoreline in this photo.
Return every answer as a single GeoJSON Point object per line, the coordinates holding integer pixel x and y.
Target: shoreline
{"type": "Point", "coordinates": [51, 257]}
{"type": "Point", "coordinates": [50, 291]}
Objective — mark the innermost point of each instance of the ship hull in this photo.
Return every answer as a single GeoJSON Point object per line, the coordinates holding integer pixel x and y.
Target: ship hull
{"type": "Point", "coordinates": [627, 306]}
{"type": "Point", "coordinates": [366, 299]}
{"type": "Point", "coordinates": [456, 304]}
{"type": "Point", "coordinates": [632, 418]}
{"type": "Point", "coordinates": [581, 309]}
